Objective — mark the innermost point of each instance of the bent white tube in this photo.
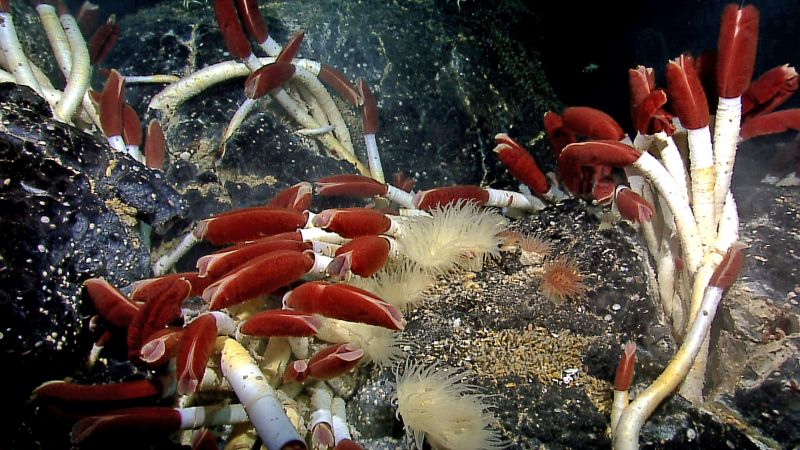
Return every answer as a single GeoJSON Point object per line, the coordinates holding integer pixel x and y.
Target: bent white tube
{"type": "Point", "coordinates": [257, 396]}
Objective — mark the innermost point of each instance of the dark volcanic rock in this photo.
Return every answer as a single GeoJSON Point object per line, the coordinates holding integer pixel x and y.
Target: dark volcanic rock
{"type": "Point", "coordinates": [69, 210]}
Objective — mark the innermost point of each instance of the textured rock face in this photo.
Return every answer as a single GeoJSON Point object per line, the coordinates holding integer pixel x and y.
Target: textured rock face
{"type": "Point", "coordinates": [69, 212]}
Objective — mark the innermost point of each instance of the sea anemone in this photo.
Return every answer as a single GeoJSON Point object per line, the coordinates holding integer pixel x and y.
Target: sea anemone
{"type": "Point", "coordinates": [561, 279]}
{"type": "Point", "coordinates": [459, 235]}
{"type": "Point", "coordinates": [534, 247]}
{"type": "Point", "coordinates": [402, 286]}
{"type": "Point", "coordinates": [437, 404]}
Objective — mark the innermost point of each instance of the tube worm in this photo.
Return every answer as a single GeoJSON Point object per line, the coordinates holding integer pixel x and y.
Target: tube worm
{"type": "Point", "coordinates": [111, 102]}
{"type": "Point", "coordinates": [14, 56]}
{"type": "Point", "coordinates": [297, 197]}
{"type": "Point", "coordinates": [142, 422]}
{"type": "Point", "coordinates": [613, 153]}
{"type": "Point", "coordinates": [363, 256]}
{"type": "Point", "coordinates": [737, 43]}
{"type": "Point", "coordinates": [246, 224]}
{"type": "Point", "coordinates": [281, 322]}
{"type": "Point", "coordinates": [256, 26]}
{"type": "Point", "coordinates": [90, 393]}
{"type": "Point", "coordinates": [631, 421]}
{"type": "Point", "coordinates": [291, 47]}
{"type": "Point", "coordinates": [558, 136]}
{"type": "Point", "coordinates": [161, 346]}
{"type": "Point", "coordinates": [369, 114]}
{"type": "Point", "coordinates": [339, 83]}
{"type": "Point", "coordinates": [340, 301]}
{"type": "Point", "coordinates": [321, 417]}
{"type": "Point", "coordinates": [771, 123]}
{"type": "Point", "coordinates": [260, 400]}
{"type": "Point", "coordinates": [224, 263]}
{"type": "Point", "coordinates": [690, 105]}
{"type": "Point", "coordinates": [268, 79]}
{"type": "Point", "coordinates": [195, 348]}
{"type": "Point", "coordinates": [163, 299]}
{"type": "Point", "coordinates": [354, 222]}
{"type": "Point", "coordinates": [261, 276]}
{"type": "Point", "coordinates": [361, 186]}
{"type": "Point", "coordinates": [622, 382]}
{"type": "Point", "coordinates": [592, 123]}
{"type": "Point", "coordinates": [632, 206]}
{"type": "Point", "coordinates": [103, 40]}
{"type": "Point", "coordinates": [233, 34]}
{"type": "Point", "coordinates": [520, 163]}
{"type": "Point", "coordinates": [87, 17]}
{"type": "Point", "coordinates": [433, 198]}
{"type": "Point", "coordinates": [132, 132]}
{"type": "Point", "coordinates": [295, 371]}
{"type": "Point", "coordinates": [769, 91]}
{"type": "Point", "coordinates": [333, 361]}
{"type": "Point", "coordinates": [155, 145]}
{"type": "Point", "coordinates": [110, 303]}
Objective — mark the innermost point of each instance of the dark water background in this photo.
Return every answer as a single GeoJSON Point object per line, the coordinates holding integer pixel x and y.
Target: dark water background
{"type": "Point", "coordinates": [587, 47]}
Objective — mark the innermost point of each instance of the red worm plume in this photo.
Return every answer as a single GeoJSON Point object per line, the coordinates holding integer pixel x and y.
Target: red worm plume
{"type": "Point", "coordinates": [261, 276]}
{"type": "Point", "coordinates": [632, 206]}
{"type": "Point", "coordinates": [281, 322]}
{"type": "Point", "coordinates": [195, 348]}
{"type": "Point", "coordinates": [337, 81]}
{"type": "Point", "coordinates": [353, 222]}
{"type": "Point", "coordinates": [161, 346]}
{"type": "Point", "coordinates": [155, 145]}
{"type": "Point", "coordinates": [131, 126]}
{"type": "Point", "coordinates": [231, 29]}
{"type": "Point", "coordinates": [79, 393]}
{"type": "Point", "coordinates": [103, 40]}
{"type": "Point", "coordinates": [330, 362]}
{"type": "Point", "coordinates": [297, 197]}
{"type": "Point", "coordinates": [520, 163]}
{"type": "Point", "coordinates": [344, 302]}
{"type": "Point", "coordinates": [558, 136]}
{"type": "Point", "coordinates": [108, 428]}
{"type": "Point", "coordinates": [736, 49]}
{"type": "Point", "coordinates": [267, 79]}
{"type": "Point", "coordinates": [349, 186]}
{"type": "Point", "coordinates": [252, 20]}
{"type": "Point", "coordinates": [111, 102]}
{"type": "Point", "coordinates": [769, 91]}
{"type": "Point", "coordinates": [291, 47]}
{"type": "Point", "coordinates": [624, 375]}
{"type": "Point", "coordinates": [593, 153]}
{"type": "Point", "coordinates": [440, 197]}
{"type": "Point", "coordinates": [592, 123]}
{"type": "Point", "coordinates": [218, 265]}
{"type": "Point", "coordinates": [772, 123]}
{"type": "Point", "coordinates": [4, 8]}
{"type": "Point", "coordinates": [686, 93]}
{"type": "Point", "coordinates": [728, 270]}
{"type": "Point", "coordinates": [247, 224]}
{"type": "Point", "coordinates": [363, 256]}
{"type": "Point", "coordinates": [87, 18]}
{"type": "Point", "coordinates": [163, 298]}
{"type": "Point", "coordinates": [369, 109]}
{"type": "Point", "coordinates": [110, 303]}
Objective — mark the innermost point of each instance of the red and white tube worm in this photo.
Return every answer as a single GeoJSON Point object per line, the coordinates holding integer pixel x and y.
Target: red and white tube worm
{"type": "Point", "coordinates": [369, 114]}
{"type": "Point", "coordinates": [689, 102]}
{"type": "Point", "coordinates": [361, 186]}
{"type": "Point", "coordinates": [626, 434]}
{"type": "Point", "coordinates": [736, 54]}
{"type": "Point", "coordinates": [233, 34]}
{"type": "Point", "coordinates": [259, 399]}
{"type": "Point", "coordinates": [344, 302]}
{"type": "Point", "coordinates": [111, 103]}
{"type": "Point", "coordinates": [256, 26]}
